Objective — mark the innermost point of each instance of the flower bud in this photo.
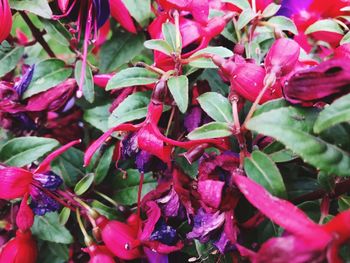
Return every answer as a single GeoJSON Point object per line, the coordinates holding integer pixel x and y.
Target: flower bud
{"type": "Point", "coordinates": [323, 83]}
{"type": "Point", "coordinates": [5, 19]}
{"type": "Point", "coordinates": [119, 238]}
{"type": "Point", "coordinates": [21, 249]}
{"type": "Point", "coordinates": [99, 254]}
{"type": "Point", "coordinates": [282, 56]}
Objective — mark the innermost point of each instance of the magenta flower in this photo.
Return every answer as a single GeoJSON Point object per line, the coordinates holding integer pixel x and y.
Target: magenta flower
{"type": "Point", "coordinates": [120, 13]}
{"type": "Point", "coordinates": [5, 19]}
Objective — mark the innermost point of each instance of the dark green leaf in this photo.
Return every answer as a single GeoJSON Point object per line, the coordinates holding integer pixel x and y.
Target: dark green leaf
{"type": "Point", "coordinates": [132, 77]}
{"type": "Point", "coordinates": [337, 112]}
{"type": "Point", "coordinates": [263, 170]}
{"type": "Point", "coordinates": [120, 49]}
{"type": "Point", "coordinates": [98, 117]}
{"type": "Point", "coordinates": [126, 189]}
{"type": "Point", "coordinates": [70, 166]}
{"type": "Point", "coordinates": [9, 58]}
{"type": "Point", "coordinates": [178, 87]}
{"type": "Point", "coordinates": [287, 126]}
{"type": "Point", "coordinates": [57, 31]}
{"type": "Point", "coordinates": [38, 7]}
{"type": "Point", "coordinates": [84, 184]}
{"type": "Point", "coordinates": [21, 151]}
{"type": "Point", "coordinates": [103, 165]}
{"type": "Point", "coordinates": [88, 84]}
{"type": "Point", "coordinates": [343, 203]}
{"type": "Point", "coordinates": [47, 74]}
{"type": "Point", "coordinates": [48, 228]}
{"type": "Point", "coordinates": [211, 130]}
{"type": "Point", "coordinates": [134, 107]}
{"type": "Point", "coordinates": [216, 106]}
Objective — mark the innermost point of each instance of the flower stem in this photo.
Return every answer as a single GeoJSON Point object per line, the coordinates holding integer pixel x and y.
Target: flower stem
{"type": "Point", "coordinates": [87, 239]}
{"type": "Point", "coordinates": [38, 35]}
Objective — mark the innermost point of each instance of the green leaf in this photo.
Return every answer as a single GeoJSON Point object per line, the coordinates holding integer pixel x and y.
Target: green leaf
{"type": "Point", "coordinates": [70, 166]}
{"type": "Point", "coordinates": [345, 39]}
{"type": "Point", "coordinates": [103, 165]}
{"type": "Point", "coordinates": [126, 189]}
{"type": "Point", "coordinates": [242, 4]}
{"type": "Point", "coordinates": [245, 17]}
{"type": "Point", "coordinates": [38, 7]}
{"type": "Point", "coordinates": [327, 25]}
{"type": "Point", "coordinates": [210, 130]}
{"type": "Point", "coordinates": [271, 105]}
{"type": "Point", "coordinates": [120, 49]}
{"type": "Point", "coordinates": [159, 45]}
{"type": "Point", "coordinates": [207, 62]}
{"type": "Point", "coordinates": [178, 87]}
{"type": "Point", "coordinates": [271, 10]}
{"type": "Point", "coordinates": [343, 203]}
{"type": "Point", "coordinates": [88, 84]}
{"type": "Point", "coordinates": [57, 31]}
{"type": "Point", "coordinates": [98, 117]}
{"type": "Point", "coordinates": [284, 24]}
{"type": "Point", "coordinates": [263, 170]}
{"type": "Point", "coordinates": [286, 126]}
{"type": "Point", "coordinates": [64, 216]}
{"type": "Point", "coordinates": [48, 228]}
{"type": "Point", "coordinates": [84, 184]}
{"type": "Point", "coordinates": [132, 77]}
{"type": "Point", "coordinates": [337, 112]}
{"type": "Point", "coordinates": [140, 10]}
{"type": "Point", "coordinates": [216, 106]}
{"type": "Point", "coordinates": [169, 33]}
{"type": "Point", "coordinates": [134, 107]}
{"type": "Point", "coordinates": [9, 58]}
{"type": "Point", "coordinates": [110, 213]}
{"type": "Point", "coordinates": [21, 151]}
{"type": "Point", "coordinates": [47, 74]}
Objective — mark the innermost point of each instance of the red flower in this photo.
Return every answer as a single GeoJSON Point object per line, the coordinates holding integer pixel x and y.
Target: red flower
{"type": "Point", "coordinates": [16, 182]}
{"type": "Point", "coordinates": [121, 14]}
{"type": "Point", "coordinates": [282, 56]}
{"type": "Point", "coordinates": [21, 249]}
{"type": "Point", "coordinates": [5, 19]}
{"type": "Point", "coordinates": [99, 254]}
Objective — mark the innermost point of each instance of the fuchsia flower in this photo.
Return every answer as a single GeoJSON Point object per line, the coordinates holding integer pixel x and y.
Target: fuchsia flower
{"type": "Point", "coordinates": [99, 254]}
{"type": "Point", "coordinates": [90, 15]}
{"type": "Point", "coordinates": [323, 83]}
{"type": "Point", "coordinates": [282, 56]}
{"type": "Point", "coordinates": [305, 241]}
{"type": "Point", "coordinates": [120, 13]}
{"type": "Point", "coordinates": [17, 182]}
{"type": "Point", "coordinates": [5, 19]}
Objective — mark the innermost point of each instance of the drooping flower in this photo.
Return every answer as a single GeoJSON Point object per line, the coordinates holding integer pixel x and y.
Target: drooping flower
{"type": "Point", "coordinates": [5, 19]}
{"type": "Point", "coordinates": [120, 13]}
{"type": "Point", "coordinates": [99, 254]}
{"type": "Point", "coordinates": [89, 15]}
{"type": "Point", "coordinates": [323, 83]}
{"type": "Point", "coordinates": [17, 182]}
{"type": "Point", "coordinates": [282, 56]}
{"type": "Point", "coordinates": [20, 249]}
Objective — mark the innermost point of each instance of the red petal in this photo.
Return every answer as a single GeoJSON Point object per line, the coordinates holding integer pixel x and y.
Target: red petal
{"type": "Point", "coordinates": [340, 225]}
{"type": "Point", "coordinates": [14, 182]}
{"type": "Point", "coordinates": [25, 215]}
{"type": "Point", "coordinates": [282, 212]}
{"type": "Point", "coordinates": [121, 14]}
{"type": "Point", "coordinates": [46, 162]}
{"type": "Point", "coordinates": [5, 19]}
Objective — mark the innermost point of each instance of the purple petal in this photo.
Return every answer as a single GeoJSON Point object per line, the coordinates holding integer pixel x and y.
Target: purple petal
{"type": "Point", "coordinates": [193, 119]}
{"type": "Point", "coordinates": [24, 83]}
{"type": "Point", "coordinates": [102, 11]}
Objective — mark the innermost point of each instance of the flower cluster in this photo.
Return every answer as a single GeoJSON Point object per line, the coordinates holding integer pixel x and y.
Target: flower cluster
{"type": "Point", "coordinates": [174, 131]}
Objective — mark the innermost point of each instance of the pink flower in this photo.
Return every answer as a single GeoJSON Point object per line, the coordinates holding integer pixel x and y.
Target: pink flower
{"type": "Point", "coordinates": [121, 14]}
{"type": "Point", "coordinates": [5, 19]}
{"type": "Point", "coordinates": [282, 56]}
{"type": "Point", "coordinates": [99, 254]}
{"type": "Point", "coordinates": [20, 249]}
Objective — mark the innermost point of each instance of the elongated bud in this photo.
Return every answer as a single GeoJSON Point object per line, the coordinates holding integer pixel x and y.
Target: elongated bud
{"type": "Point", "coordinates": [25, 215]}
{"type": "Point", "coordinates": [282, 56]}
{"type": "Point", "coordinates": [195, 153]}
{"type": "Point", "coordinates": [63, 5]}
{"type": "Point", "coordinates": [159, 92]}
